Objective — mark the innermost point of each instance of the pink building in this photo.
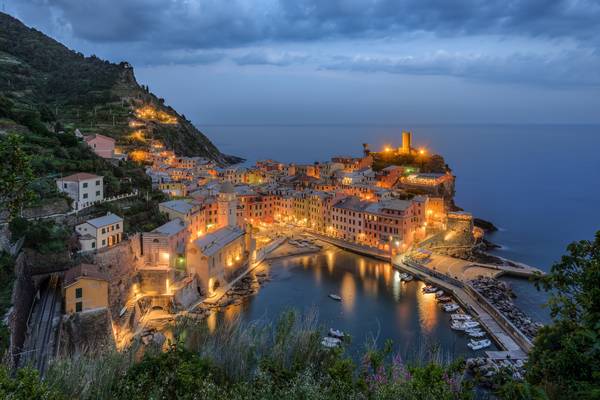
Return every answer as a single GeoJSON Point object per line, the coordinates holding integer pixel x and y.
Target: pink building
{"type": "Point", "coordinates": [103, 146]}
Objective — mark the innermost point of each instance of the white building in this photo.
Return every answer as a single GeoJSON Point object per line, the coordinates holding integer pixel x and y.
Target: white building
{"type": "Point", "coordinates": [100, 232]}
{"type": "Point", "coordinates": [85, 189]}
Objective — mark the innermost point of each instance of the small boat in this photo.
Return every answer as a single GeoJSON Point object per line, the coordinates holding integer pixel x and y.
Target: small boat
{"type": "Point", "coordinates": [463, 325]}
{"type": "Point", "coordinates": [479, 344]}
{"type": "Point", "coordinates": [408, 278]}
{"type": "Point", "coordinates": [476, 333]}
{"type": "Point", "coordinates": [330, 342]}
{"type": "Point", "coordinates": [444, 299]}
{"type": "Point", "coordinates": [430, 289]}
{"type": "Point", "coordinates": [460, 317]}
{"type": "Point", "coordinates": [335, 333]}
{"type": "Point", "coordinates": [450, 307]}
{"type": "Point", "coordinates": [335, 297]}
{"type": "Point", "coordinates": [439, 294]}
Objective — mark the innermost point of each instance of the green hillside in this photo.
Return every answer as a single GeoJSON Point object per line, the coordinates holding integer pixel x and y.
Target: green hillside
{"type": "Point", "coordinates": [44, 80]}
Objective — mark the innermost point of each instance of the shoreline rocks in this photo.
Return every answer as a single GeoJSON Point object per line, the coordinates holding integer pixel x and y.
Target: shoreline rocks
{"type": "Point", "coordinates": [500, 295]}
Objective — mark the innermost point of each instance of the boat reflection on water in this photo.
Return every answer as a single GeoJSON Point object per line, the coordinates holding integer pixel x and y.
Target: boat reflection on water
{"type": "Point", "coordinates": [375, 302]}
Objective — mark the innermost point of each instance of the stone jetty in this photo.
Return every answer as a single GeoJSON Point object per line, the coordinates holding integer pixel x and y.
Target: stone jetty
{"type": "Point", "coordinates": [500, 295]}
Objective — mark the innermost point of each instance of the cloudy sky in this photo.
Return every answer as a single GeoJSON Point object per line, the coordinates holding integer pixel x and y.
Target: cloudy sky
{"type": "Point", "coordinates": [346, 61]}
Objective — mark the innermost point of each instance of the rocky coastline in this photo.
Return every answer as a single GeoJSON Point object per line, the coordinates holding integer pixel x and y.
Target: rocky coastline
{"type": "Point", "coordinates": [500, 295]}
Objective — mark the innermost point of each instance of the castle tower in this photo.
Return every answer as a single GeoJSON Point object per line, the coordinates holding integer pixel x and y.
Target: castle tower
{"type": "Point", "coordinates": [406, 142]}
{"type": "Point", "coordinates": [227, 206]}
{"type": "Point", "coordinates": [366, 150]}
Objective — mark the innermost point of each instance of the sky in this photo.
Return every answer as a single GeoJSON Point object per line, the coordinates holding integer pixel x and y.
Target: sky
{"type": "Point", "coordinates": [346, 61]}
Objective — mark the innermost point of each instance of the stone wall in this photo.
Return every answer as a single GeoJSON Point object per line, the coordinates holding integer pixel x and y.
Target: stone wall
{"type": "Point", "coordinates": [22, 298]}
{"type": "Point", "coordinates": [118, 264]}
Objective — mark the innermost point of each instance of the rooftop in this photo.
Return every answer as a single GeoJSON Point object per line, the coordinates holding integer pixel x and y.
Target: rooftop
{"type": "Point", "coordinates": [211, 243]}
{"type": "Point", "coordinates": [353, 203]}
{"type": "Point", "coordinates": [180, 206]}
{"type": "Point", "coordinates": [83, 271]}
{"type": "Point", "coordinates": [108, 219]}
{"type": "Point", "coordinates": [80, 176]}
{"type": "Point", "coordinates": [395, 204]}
{"type": "Point", "coordinates": [87, 138]}
{"type": "Point", "coordinates": [171, 228]}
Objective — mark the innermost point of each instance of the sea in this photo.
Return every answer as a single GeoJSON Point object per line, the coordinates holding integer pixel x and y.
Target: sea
{"type": "Point", "coordinates": [539, 184]}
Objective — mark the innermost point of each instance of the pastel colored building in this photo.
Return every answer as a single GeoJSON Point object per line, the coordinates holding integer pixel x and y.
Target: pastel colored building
{"type": "Point", "coordinates": [98, 233]}
{"type": "Point", "coordinates": [85, 189]}
{"type": "Point", "coordinates": [84, 289]}
{"type": "Point", "coordinates": [103, 146]}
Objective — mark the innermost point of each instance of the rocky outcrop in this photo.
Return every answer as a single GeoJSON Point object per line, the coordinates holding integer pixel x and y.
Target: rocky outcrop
{"type": "Point", "coordinates": [500, 295]}
{"type": "Point", "coordinates": [87, 332]}
{"type": "Point", "coordinates": [487, 226]}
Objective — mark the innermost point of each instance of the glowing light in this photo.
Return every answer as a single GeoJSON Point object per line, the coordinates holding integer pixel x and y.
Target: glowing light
{"type": "Point", "coordinates": [422, 152]}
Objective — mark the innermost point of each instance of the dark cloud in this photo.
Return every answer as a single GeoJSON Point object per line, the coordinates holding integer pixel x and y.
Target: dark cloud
{"type": "Point", "coordinates": [235, 23]}
{"type": "Point", "coordinates": [279, 59]}
{"type": "Point", "coordinates": [567, 68]}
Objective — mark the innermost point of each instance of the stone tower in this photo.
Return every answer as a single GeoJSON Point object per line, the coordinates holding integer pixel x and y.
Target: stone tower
{"type": "Point", "coordinates": [227, 205]}
{"type": "Point", "coordinates": [406, 142]}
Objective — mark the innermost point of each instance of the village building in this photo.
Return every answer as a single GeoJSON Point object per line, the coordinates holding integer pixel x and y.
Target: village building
{"type": "Point", "coordinates": [84, 289]}
{"type": "Point", "coordinates": [83, 188]}
{"type": "Point", "coordinates": [103, 146]}
{"type": "Point", "coordinates": [101, 232]}
{"type": "Point", "coordinates": [164, 247]}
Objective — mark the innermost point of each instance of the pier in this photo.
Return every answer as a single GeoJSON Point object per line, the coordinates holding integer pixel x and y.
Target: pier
{"type": "Point", "coordinates": [512, 342]}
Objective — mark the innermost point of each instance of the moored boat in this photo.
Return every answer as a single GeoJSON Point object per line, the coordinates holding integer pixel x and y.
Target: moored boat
{"type": "Point", "coordinates": [460, 317]}
{"type": "Point", "coordinates": [335, 333]}
{"type": "Point", "coordinates": [330, 342]}
{"type": "Point", "coordinates": [479, 344]}
{"type": "Point", "coordinates": [430, 289]}
{"type": "Point", "coordinates": [450, 307]}
{"type": "Point", "coordinates": [439, 294]}
{"type": "Point", "coordinates": [444, 299]}
{"type": "Point", "coordinates": [476, 333]}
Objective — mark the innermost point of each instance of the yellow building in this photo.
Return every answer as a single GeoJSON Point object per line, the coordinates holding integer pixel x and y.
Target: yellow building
{"type": "Point", "coordinates": [84, 288]}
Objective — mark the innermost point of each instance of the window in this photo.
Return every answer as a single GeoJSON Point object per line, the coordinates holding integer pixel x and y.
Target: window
{"type": "Point", "coordinates": [64, 185]}
{"type": "Point", "coordinates": [85, 195]}
{"type": "Point", "coordinates": [93, 245]}
{"type": "Point", "coordinates": [98, 182]}
{"type": "Point", "coordinates": [103, 242]}
{"type": "Point", "coordinates": [85, 184]}
{"type": "Point", "coordinates": [103, 230]}
{"type": "Point", "coordinates": [78, 293]}
{"type": "Point", "coordinates": [78, 306]}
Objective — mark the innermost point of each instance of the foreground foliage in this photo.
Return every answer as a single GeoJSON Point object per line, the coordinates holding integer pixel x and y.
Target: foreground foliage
{"type": "Point", "coordinates": [565, 360]}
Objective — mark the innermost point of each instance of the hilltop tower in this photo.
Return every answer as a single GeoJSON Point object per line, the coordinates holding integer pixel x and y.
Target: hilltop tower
{"type": "Point", "coordinates": [366, 150]}
{"type": "Point", "coordinates": [227, 206]}
{"type": "Point", "coordinates": [406, 142]}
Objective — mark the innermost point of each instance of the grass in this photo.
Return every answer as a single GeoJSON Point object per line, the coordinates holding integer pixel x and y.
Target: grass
{"type": "Point", "coordinates": [258, 360]}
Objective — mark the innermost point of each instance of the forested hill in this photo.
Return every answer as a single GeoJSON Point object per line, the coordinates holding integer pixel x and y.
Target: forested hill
{"type": "Point", "coordinates": [43, 80]}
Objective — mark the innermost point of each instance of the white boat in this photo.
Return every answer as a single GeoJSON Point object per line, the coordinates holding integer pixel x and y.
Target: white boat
{"type": "Point", "coordinates": [430, 289]}
{"type": "Point", "coordinates": [335, 333]}
{"type": "Point", "coordinates": [450, 307]}
{"type": "Point", "coordinates": [475, 333]}
{"type": "Point", "coordinates": [439, 294]}
{"type": "Point", "coordinates": [406, 277]}
{"type": "Point", "coordinates": [464, 325]}
{"type": "Point", "coordinates": [330, 342]}
{"type": "Point", "coordinates": [335, 297]}
{"type": "Point", "coordinates": [470, 324]}
{"type": "Point", "coordinates": [460, 317]}
{"type": "Point", "coordinates": [479, 344]}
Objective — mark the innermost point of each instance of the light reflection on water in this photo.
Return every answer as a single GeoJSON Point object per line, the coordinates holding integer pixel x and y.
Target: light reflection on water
{"type": "Point", "coordinates": [375, 302]}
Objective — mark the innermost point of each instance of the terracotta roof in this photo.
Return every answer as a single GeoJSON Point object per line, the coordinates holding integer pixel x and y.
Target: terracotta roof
{"type": "Point", "coordinates": [91, 137]}
{"type": "Point", "coordinates": [83, 271]}
{"type": "Point", "coordinates": [81, 176]}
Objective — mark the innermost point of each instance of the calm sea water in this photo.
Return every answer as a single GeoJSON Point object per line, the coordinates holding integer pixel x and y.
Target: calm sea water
{"type": "Point", "coordinates": [376, 304]}
{"type": "Point", "coordinates": [539, 183]}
